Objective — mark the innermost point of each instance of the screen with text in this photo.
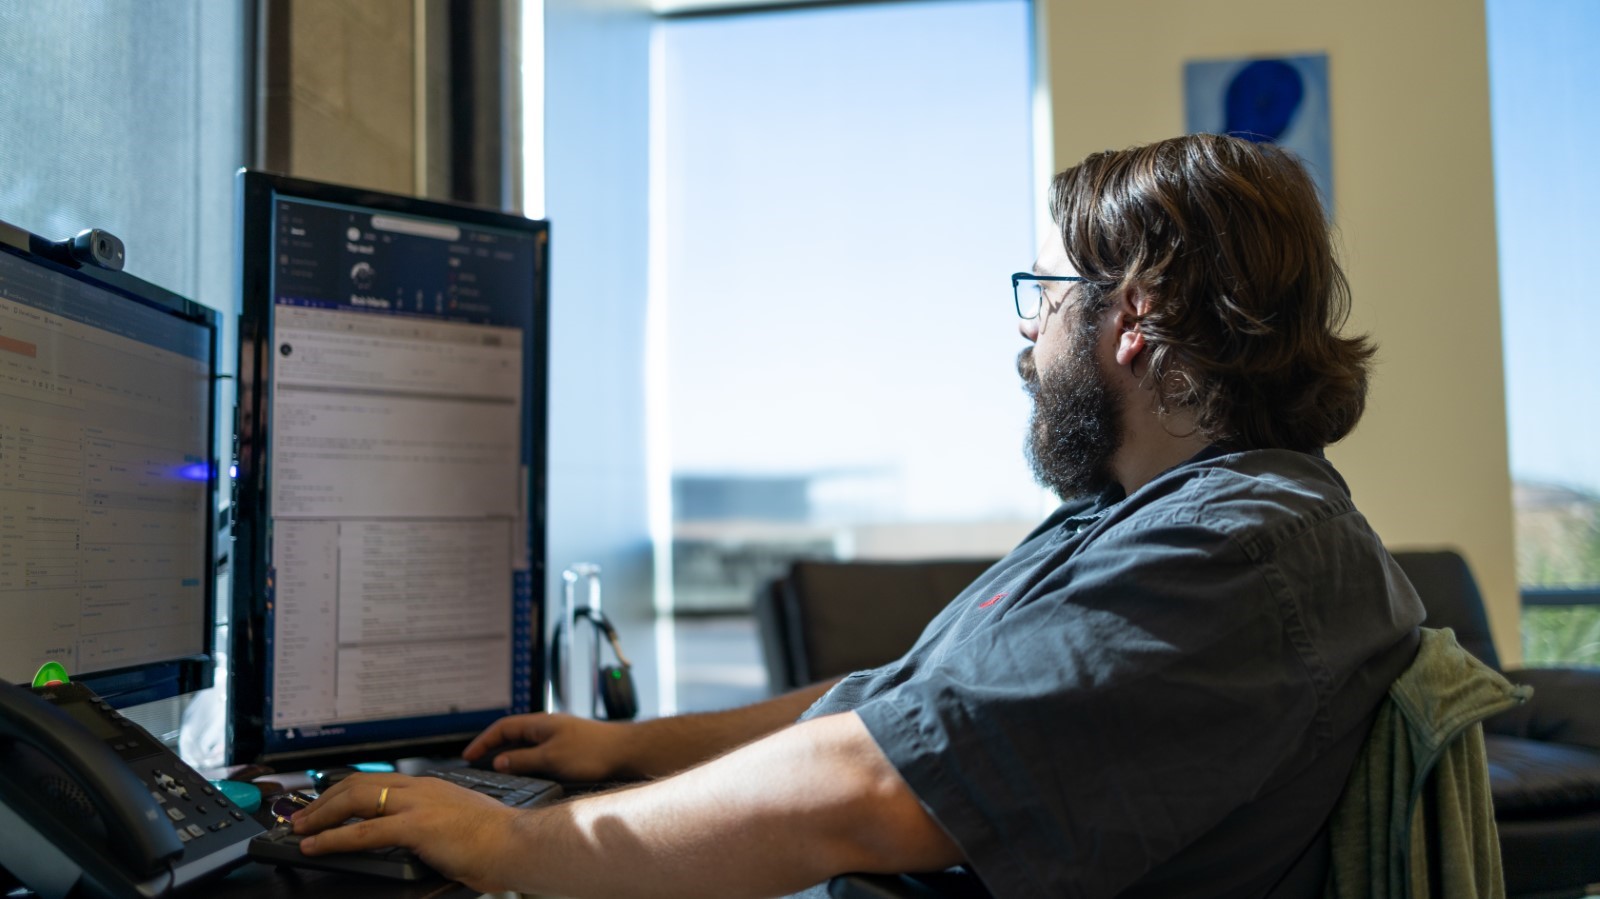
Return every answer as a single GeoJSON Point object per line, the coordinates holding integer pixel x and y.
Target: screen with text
{"type": "Point", "coordinates": [105, 477]}
{"type": "Point", "coordinates": [398, 471]}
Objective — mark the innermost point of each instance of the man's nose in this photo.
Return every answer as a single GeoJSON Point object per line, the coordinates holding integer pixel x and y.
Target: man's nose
{"type": "Point", "coordinates": [1030, 328]}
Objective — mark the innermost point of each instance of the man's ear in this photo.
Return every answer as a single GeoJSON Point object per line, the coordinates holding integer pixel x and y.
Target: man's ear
{"type": "Point", "coordinates": [1130, 306]}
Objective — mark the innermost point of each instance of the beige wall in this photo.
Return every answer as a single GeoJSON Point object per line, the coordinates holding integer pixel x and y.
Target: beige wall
{"type": "Point", "coordinates": [1415, 204]}
{"type": "Point", "coordinates": [351, 99]}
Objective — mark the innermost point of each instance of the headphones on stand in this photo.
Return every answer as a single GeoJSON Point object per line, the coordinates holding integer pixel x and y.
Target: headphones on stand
{"type": "Point", "coordinates": [613, 684]}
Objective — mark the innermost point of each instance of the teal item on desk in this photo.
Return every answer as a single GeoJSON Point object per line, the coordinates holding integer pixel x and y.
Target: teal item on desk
{"type": "Point", "coordinates": [246, 796]}
{"type": "Point", "coordinates": [323, 778]}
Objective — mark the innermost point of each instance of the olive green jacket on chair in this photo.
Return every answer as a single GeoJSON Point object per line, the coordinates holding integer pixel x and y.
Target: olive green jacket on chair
{"type": "Point", "coordinates": [1396, 833]}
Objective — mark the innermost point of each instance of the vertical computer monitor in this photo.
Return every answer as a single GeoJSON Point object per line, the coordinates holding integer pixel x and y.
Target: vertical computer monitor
{"type": "Point", "coordinates": [389, 535]}
{"type": "Point", "coordinates": [107, 478]}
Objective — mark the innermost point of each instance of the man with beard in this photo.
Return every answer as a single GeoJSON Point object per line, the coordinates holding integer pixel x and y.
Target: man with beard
{"type": "Point", "coordinates": [1161, 691]}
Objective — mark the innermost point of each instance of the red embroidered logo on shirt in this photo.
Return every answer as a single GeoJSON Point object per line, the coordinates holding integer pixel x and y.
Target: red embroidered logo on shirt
{"type": "Point", "coordinates": [992, 600]}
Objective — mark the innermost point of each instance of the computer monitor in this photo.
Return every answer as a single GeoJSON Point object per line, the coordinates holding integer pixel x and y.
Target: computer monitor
{"type": "Point", "coordinates": [107, 478]}
{"type": "Point", "coordinates": [389, 535]}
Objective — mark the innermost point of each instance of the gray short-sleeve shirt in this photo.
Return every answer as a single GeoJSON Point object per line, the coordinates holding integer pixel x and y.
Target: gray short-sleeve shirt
{"type": "Point", "coordinates": [1160, 694]}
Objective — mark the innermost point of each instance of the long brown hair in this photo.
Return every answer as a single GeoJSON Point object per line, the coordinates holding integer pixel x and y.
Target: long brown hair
{"type": "Point", "coordinates": [1247, 300]}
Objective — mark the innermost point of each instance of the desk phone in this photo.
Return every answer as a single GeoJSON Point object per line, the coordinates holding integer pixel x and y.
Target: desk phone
{"type": "Point", "coordinates": [93, 805]}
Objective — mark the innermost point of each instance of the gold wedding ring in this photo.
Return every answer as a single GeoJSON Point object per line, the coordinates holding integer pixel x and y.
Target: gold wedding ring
{"type": "Point", "coordinates": [383, 801]}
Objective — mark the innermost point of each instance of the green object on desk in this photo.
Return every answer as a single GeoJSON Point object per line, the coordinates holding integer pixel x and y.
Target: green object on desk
{"type": "Point", "coordinates": [51, 673]}
{"type": "Point", "coordinates": [246, 796]}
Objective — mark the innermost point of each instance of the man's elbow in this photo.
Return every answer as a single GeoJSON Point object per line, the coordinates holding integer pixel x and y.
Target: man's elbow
{"type": "Point", "coordinates": [889, 831]}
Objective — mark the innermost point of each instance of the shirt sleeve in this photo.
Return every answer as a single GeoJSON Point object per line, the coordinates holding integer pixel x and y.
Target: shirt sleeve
{"type": "Point", "coordinates": [1101, 720]}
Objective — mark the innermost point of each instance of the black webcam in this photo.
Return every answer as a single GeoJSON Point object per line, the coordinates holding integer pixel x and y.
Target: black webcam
{"type": "Point", "coordinates": [91, 246]}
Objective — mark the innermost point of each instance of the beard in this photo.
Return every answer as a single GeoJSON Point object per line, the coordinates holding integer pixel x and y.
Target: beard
{"type": "Point", "coordinates": [1074, 430]}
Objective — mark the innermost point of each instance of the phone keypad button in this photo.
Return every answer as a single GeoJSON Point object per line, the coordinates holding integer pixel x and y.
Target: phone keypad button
{"type": "Point", "coordinates": [183, 835]}
{"type": "Point", "coordinates": [196, 830]}
{"type": "Point", "coordinates": [237, 815]}
{"type": "Point", "coordinates": [175, 813]}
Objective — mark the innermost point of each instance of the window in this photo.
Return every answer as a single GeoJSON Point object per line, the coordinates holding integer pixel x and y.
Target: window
{"type": "Point", "coordinates": [845, 192]}
{"type": "Point", "coordinates": [1542, 75]}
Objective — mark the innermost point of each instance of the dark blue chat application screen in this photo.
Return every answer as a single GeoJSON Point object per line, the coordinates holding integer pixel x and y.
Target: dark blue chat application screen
{"type": "Point", "coordinates": [404, 391]}
{"type": "Point", "coordinates": [338, 257]}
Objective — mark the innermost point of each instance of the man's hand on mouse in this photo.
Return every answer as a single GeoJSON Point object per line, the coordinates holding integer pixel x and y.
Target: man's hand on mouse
{"type": "Point", "coordinates": [462, 834]}
{"type": "Point", "coordinates": [563, 747]}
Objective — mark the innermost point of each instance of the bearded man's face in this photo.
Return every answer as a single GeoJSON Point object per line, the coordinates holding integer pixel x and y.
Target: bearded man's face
{"type": "Point", "coordinates": [1075, 427]}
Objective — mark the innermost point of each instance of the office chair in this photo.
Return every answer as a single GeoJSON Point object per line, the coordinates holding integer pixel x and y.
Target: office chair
{"type": "Point", "coordinates": [1544, 758]}
{"type": "Point", "coordinates": [825, 619]}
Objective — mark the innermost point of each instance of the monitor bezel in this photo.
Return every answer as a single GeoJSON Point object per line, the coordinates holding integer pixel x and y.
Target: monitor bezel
{"type": "Point", "coordinates": [167, 678]}
{"type": "Point", "coordinates": [247, 724]}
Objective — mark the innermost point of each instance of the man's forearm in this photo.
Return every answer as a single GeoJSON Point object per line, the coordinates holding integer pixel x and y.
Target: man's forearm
{"type": "Point", "coordinates": [772, 817]}
{"type": "Point", "coordinates": [669, 745]}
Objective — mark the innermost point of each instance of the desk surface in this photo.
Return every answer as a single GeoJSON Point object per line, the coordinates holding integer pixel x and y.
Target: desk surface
{"type": "Point", "coordinates": [255, 880]}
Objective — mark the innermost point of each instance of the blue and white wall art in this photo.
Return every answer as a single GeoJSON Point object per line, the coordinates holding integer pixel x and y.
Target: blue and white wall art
{"type": "Point", "coordinates": [1281, 100]}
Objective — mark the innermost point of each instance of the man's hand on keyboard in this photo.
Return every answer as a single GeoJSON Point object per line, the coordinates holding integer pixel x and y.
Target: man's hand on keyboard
{"type": "Point", "coordinates": [460, 833]}
{"type": "Point", "coordinates": [564, 747]}
{"type": "Point", "coordinates": [580, 750]}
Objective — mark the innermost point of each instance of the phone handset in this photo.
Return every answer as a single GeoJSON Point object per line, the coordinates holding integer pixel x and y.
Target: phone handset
{"type": "Point", "coordinates": [141, 837]}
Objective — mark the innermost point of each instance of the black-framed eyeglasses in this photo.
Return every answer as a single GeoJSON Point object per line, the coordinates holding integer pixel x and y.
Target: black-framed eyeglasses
{"type": "Point", "coordinates": [1027, 290]}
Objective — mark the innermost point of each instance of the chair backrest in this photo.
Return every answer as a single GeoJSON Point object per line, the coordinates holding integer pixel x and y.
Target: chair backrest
{"type": "Point", "coordinates": [825, 619]}
{"type": "Point", "coordinates": [1451, 597]}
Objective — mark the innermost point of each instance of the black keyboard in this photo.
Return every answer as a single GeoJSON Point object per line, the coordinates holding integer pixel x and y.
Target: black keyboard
{"type": "Point", "coordinates": [281, 846]}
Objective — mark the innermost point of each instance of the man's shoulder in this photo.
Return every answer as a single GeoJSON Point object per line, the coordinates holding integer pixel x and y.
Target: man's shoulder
{"type": "Point", "coordinates": [1257, 498]}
